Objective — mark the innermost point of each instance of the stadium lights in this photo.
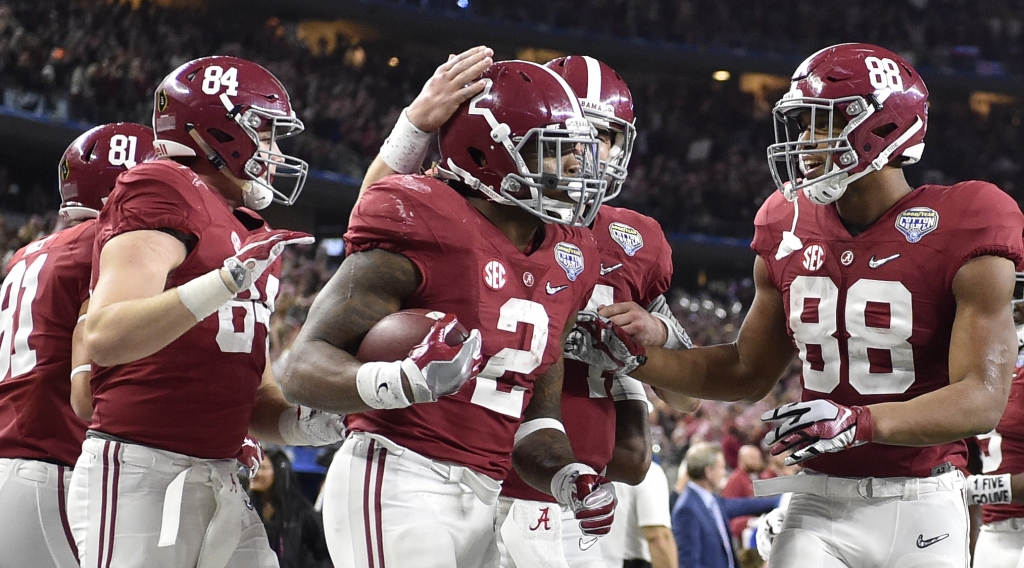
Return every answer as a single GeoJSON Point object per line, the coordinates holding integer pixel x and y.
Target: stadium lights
{"type": "Point", "coordinates": [721, 75]}
{"type": "Point", "coordinates": [393, 62]}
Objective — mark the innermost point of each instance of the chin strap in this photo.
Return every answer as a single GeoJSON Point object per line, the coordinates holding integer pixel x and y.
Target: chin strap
{"type": "Point", "coordinates": [253, 196]}
{"type": "Point", "coordinates": [790, 242]}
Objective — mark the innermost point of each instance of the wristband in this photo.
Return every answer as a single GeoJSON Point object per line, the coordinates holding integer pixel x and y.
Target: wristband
{"type": "Point", "coordinates": [406, 146]}
{"type": "Point", "coordinates": [205, 295]}
{"type": "Point", "coordinates": [563, 482]}
{"type": "Point", "coordinates": [627, 388]}
{"type": "Point", "coordinates": [676, 336]}
{"type": "Point", "coordinates": [81, 369]}
{"type": "Point", "coordinates": [531, 426]}
{"type": "Point", "coordinates": [380, 385]}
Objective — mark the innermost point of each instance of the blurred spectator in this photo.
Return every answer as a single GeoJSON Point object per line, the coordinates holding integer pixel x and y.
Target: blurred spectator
{"type": "Point", "coordinates": [295, 530]}
{"type": "Point", "coordinates": [700, 516]}
{"type": "Point", "coordinates": [741, 483]}
{"type": "Point", "coordinates": [641, 536]}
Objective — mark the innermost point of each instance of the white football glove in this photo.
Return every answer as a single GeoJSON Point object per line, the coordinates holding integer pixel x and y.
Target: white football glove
{"type": "Point", "coordinates": [304, 426]}
{"type": "Point", "coordinates": [768, 527]}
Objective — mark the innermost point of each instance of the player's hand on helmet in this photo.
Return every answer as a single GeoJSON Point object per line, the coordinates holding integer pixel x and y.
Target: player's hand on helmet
{"type": "Point", "coordinates": [598, 342]}
{"type": "Point", "coordinates": [251, 455]}
{"type": "Point", "coordinates": [453, 83]}
{"type": "Point", "coordinates": [989, 489]}
{"type": "Point", "coordinates": [435, 369]}
{"type": "Point", "coordinates": [304, 426]}
{"type": "Point", "coordinates": [591, 497]}
{"type": "Point", "coordinates": [258, 252]}
{"type": "Point", "coordinates": [768, 527]}
{"type": "Point", "coordinates": [815, 427]}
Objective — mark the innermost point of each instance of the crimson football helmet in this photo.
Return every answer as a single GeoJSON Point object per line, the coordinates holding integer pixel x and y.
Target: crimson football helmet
{"type": "Point", "coordinates": [874, 96]}
{"type": "Point", "coordinates": [497, 143]}
{"type": "Point", "coordinates": [219, 107]}
{"type": "Point", "coordinates": [608, 104]}
{"type": "Point", "coordinates": [90, 166]}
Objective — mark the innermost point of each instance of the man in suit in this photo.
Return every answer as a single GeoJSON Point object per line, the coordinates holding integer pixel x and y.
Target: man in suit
{"type": "Point", "coordinates": [700, 517]}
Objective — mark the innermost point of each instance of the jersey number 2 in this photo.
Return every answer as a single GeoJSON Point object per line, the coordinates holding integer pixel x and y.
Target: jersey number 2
{"type": "Point", "coordinates": [486, 394]}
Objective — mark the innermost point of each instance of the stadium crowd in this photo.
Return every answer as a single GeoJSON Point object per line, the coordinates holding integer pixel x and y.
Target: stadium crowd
{"type": "Point", "coordinates": [699, 166]}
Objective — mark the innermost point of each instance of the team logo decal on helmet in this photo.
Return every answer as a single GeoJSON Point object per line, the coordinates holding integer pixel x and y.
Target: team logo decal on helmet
{"type": "Point", "coordinates": [917, 222]}
{"type": "Point", "coordinates": [570, 258]}
{"type": "Point", "coordinates": [627, 237]}
{"type": "Point", "coordinates": [851, 109]}
{"type": "Point", "coordinates": [63, 169]}
{"type": "Point", "coordinates": [161, 100]}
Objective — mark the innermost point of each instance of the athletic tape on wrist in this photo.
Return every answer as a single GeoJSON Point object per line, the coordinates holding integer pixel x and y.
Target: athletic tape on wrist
{"type": "Point", "coordinates": [406, 146]}
{"type": "Point", "coordinates": [676, 336]}
{"type": "Point", "coordinates": [205, 295]}
{"type": "Point", "coordinates": [531, 426]}
{"type": "Point", "coordinates": [627, 388]}
{"type": "Point", "coordinates": [87, 368]}
{"type": "Point", "coordinates": [563, 482]}
{"type": "Point", "coordinates": [380, 385]}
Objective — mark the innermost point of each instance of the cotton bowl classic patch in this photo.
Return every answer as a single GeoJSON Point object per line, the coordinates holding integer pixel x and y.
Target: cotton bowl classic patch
{"type": "Point", "coordinates": [628, 238]}
{"type": "Point", "coordinates": [570, 258]}
{"type": "Point", "coordinates": [917, 222]}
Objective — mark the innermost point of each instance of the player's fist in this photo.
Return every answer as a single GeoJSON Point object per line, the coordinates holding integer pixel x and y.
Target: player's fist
{"type": "Point", "coordinates": [815, 427]}
{"type": "Point", "coordinates": [989, 489]}
{"type": "Point", "coordinates": [768, 527]}
{"type": "Point", "coordinates": [598, 342]}
{"type": "Point", "coordinates": [258, 252]}
{"type": "Point", "coordinates": [591, 497]}
{"type": "Point", "coordinates": [251, 455]}
{"type": "Point", "coordinates": [435, 369]}
{"type": "Point", "coordinates": [304, 426]}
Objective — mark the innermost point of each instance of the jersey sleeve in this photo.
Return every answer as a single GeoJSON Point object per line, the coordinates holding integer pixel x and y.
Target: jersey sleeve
{"type": "Point", "coordinates": [660, 275]}
{"type": "Point", "coordinates": [990, 223]}
{"type": "Point", "coordinates": [147, 198]}
{"type": "Point", "coordinates": [774, 217]}
{"type": "Point", "coordinates": [393, 218]}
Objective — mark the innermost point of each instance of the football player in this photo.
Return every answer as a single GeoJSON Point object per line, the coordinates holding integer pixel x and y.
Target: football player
{"type": "Point", "coordinates": [1002, 531]}
{"type": "Point", "coordinates": [496, 240]}
{"type": "Point", "coordinates": [184, 280]}
{"type": "Point", "coordinates": [893, 298]}
{"type": "Point", "coordinates": [604, 416]}
{"type": "Point", "coordinates": [44, 299]}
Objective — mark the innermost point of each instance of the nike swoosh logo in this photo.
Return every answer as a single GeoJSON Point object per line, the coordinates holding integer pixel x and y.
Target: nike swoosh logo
{"type": "Point", "coordinates": [922, 543]}
{"type": "Point", "coordinates": [586, 543]}
{"type": "Point", "coordinates": [554, 289]}
{"type": "Point", "coordinates": [611, 268]}
{"type": "Point", "coordinates": [872, 263]}
{"type": "Point", "coordinates": [382, 386]}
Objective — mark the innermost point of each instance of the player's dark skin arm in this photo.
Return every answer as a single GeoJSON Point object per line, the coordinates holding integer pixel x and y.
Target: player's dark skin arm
{"type": "Point", "coordinates": [539, 456]}
{"type": "Point", "coordinates": [745, 369]}
{"type": "Point", "coordinates": [631, 457]}
{"type": "Point", "coordinates": [982, 354]}
{"type": "Point", "coordinates": [321, 370]}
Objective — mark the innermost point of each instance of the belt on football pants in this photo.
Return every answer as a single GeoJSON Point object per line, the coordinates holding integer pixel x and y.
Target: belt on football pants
{"type": "Point", "coordinates": [485, 488]}
{"type": "Point", "coordinates": [225, 526]}
{"type": "Point", "coordinates": [906, 488]}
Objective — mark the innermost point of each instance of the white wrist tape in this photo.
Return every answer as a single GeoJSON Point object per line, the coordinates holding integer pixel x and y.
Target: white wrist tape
{"type": "Point", "coordinates": [988, 489]}
{"type": "Point", "coordinates": [205, 295]}
{"type": "Point", "coordinates": [677, 337]}
{"type": "Point", "coordinates": [87, 368]}
{"type": "Point", "coordinates": [531, 426]}
{"type": "Point", "coordinates": [380, 385]}
{"type": "Point", "coordinates": [627, 388]}
{"type": "Point", "coordinates": [563, 482]}
{"type": "Point", "coordinates": [406, 147]}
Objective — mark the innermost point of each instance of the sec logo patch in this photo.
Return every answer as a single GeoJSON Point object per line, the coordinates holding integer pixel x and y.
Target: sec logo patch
{"type": "Point", "coordinates": [814, 257]}
{"type": "Point", "coordinates": [494, 275]}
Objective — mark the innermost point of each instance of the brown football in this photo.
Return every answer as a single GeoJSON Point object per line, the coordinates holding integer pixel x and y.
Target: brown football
{"type": "Point", "coordinates": [396, 334]}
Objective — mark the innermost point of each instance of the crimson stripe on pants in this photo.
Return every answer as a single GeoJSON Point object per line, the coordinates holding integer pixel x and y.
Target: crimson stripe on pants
{"type": "Point", "coordinates": [62, 507]}
{"type": "Point", "coordinates": [366, 502]}
{"type": "Point", "coordinates": [376, 503]}
{"type": "Point", "coordinates": [103, 506]}
{"type": "Point", "coordinates": [113, 502]}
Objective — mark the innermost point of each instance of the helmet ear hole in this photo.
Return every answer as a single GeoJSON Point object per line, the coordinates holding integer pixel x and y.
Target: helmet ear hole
{"type": "Point", "coordinates": [88, 154]}
{"type": "Point", "coordinates": [220, 136]}
{"type": "Point", "coordinates": [884, 130]}
{"type": "Point", "coordinates": [478, 156]}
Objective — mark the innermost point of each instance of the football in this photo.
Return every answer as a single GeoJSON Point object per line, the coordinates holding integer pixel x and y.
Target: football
{"type": "Point", "coordinates": [396, 334]}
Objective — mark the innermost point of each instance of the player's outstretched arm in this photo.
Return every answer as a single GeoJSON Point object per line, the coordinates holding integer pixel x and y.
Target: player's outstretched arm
{"type": "Point", "coordinates": [452, 84]}
{"type": "Point", "coordinates": [277, 421]}
{"type": "Point", "coordinates": [982, 353]}
{"type": "Point", "coordinates": [746, 369]}
{"type": "Point", "coordinates": [322, 367]}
